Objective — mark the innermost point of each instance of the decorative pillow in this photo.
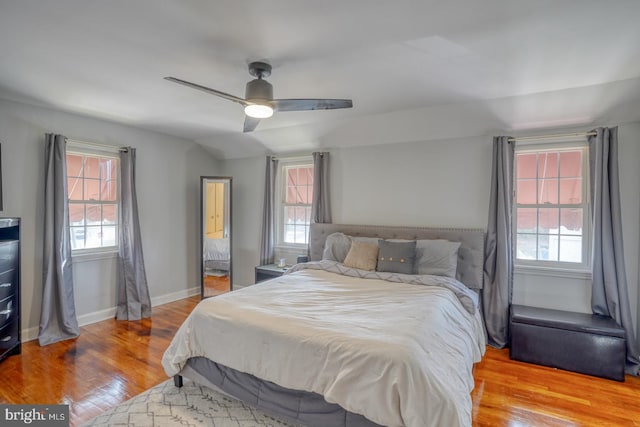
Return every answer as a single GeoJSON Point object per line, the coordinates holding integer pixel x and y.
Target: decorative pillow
{"type": "Point", "coordinates": [438, 257]}
{"type": "Point", "coordinates": [362, 255]}
{"type": "Point", "coordinates": [336, 247]}
{"type": "Point", "coordinates": [396, 257]}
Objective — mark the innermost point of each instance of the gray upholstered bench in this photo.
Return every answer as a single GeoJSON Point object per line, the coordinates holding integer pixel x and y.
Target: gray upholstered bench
{"type": "Point", "coordinates": [585, 343]}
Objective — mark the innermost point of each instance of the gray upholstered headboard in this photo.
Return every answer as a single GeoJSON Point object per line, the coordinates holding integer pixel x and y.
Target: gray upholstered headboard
{"type": "Point", "coordinates": [470, 254]}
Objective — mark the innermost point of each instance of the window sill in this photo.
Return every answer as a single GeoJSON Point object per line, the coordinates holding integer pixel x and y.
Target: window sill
{"type": "Point", "coordinates": [86, 255]}
{"type": "Point", "coordinates": [291, 246]}
{"type": "Point", "coordinates": [552, 272]}
{"type": "Point", "coordinates": [290, 251]}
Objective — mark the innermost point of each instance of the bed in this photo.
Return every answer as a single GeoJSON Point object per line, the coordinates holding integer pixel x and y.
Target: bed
{"type": "Point", "coordinates": [215, 255]}
{"type": "Point", "coordinates": [333, 344]}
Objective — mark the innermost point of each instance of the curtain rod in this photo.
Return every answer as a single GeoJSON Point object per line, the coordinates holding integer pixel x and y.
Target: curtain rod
{"type": "Point", "coordinates": [95, 144]}
{"type": "Point", "coordinates": [556, 136]}
{"type": "Point", "coordinates": [294, 158]}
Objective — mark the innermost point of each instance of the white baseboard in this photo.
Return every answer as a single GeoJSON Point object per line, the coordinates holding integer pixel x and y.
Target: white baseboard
{"type": "Point", "coordinates": [30, 334]}
{"type": "Point", "coordinates": [175, 296]}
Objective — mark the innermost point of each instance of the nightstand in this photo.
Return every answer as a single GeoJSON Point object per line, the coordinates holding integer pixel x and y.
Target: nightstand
{"type": "Point", "coordinates": [269, 271]}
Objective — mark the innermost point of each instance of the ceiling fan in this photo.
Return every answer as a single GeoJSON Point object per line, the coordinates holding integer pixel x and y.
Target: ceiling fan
{"type": "Point", "coordinates": [258, 102]}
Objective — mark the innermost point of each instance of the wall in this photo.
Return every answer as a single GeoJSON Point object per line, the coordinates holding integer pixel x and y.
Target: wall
{"type": "Point", "coordinates": [246, 210]}
{"type": "Point", "coordinates": [629, 159]}
{"type": "Point", "coordinates": [393, 184]}
{"type": "Point", "coordinates": [437, 183]}
{"type": "Point", "coordinates": [168, 170]}
{"type": "Point", "coordinates": [441, 183]}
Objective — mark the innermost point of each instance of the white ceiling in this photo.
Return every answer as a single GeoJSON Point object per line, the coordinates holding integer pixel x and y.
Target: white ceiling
{"type": "Point", "coordinates": [415, 69]}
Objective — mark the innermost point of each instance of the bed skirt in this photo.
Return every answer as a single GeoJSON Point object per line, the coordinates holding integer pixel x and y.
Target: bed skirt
{"type": "Point", "coordinates": [302, 407]}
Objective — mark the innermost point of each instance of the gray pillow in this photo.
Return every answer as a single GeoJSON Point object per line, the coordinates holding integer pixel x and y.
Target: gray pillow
{"type": "Point", "coordinates": [437, 257]}
{"type": "Point", "coordinates": [396, 257]}
{"type": "Point", "coordinates": [336, 247]}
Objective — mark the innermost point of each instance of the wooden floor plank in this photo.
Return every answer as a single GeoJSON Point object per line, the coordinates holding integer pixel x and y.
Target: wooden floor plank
{"type": "Point", "coordinates": [112, 361]}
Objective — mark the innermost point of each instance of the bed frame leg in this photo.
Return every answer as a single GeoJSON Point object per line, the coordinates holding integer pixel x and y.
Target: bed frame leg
{"type": "Point", "coordinates": [177, 380]}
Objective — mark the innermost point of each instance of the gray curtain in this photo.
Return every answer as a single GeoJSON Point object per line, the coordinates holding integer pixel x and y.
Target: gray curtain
{"type": "Point", "coordinates": [133, 292]}
{"type": "Point", "coordinates": [269, 212]}
{"type": "Point", "coordinates": [498, 264]}
{"type": "Point", "coordinates": [321, 202]}
{"type": "Point", "coordinates": [610, 296]}
{"type": "Point", "coordinates": [58, 315]}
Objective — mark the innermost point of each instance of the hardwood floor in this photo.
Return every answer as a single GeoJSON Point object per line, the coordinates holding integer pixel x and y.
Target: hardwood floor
{"type": "Point", "coordinates": [109, 363]}
{"type": "Point", "coordinates": [216, 285]}
{"type": "Point", "coordinates": [113, 361]}
{"type": "Point", "coordinates": [517, 394]}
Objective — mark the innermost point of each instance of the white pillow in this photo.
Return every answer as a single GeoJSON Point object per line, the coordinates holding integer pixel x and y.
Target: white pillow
{"type": "Point", "coordinates": [336, 247]}
{"type": "Point", "coordinates": [437, 257]}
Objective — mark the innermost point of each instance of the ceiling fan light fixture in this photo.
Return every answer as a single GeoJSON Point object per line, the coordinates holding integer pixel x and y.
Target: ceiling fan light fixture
{"type": "Point", "coordinates": [258, 101]}
{"type": "Point", "coordinates": [258, 111]}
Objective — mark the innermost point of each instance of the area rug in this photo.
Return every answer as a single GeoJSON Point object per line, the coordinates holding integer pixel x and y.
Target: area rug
{"type": "Point", "coordinates": [190, 405]}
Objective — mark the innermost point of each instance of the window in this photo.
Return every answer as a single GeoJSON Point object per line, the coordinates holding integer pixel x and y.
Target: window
{"type": "Point", "coordinates": [551, 202]}
{"type": "Point", "coordinates": [92, 186]}
{"type": "Point", "coordinates": [296, 193]}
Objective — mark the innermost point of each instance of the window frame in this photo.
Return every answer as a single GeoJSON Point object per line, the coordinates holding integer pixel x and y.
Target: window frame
{"type": "Point", "coordinates": [90, 150]}
{"type": "Point", "coordinates": [281, 183]}
{"type": "Point", "coordinates": [546, 267]}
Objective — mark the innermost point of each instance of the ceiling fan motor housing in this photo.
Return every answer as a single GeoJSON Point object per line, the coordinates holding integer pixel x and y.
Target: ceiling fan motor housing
{"type": "Point", "coordinates": [259, 91]}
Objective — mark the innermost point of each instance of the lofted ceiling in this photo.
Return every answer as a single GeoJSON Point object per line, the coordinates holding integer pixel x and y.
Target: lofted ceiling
{"type": "Point", "coordinates": [415, 69]}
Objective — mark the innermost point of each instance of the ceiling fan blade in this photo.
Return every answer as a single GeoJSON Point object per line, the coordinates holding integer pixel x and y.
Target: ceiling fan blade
{"type": "Point", "coordinates": [208, 90]}
{"type": "Point", "coordinates": [310, 104]}
{"type": "Point", "coordinates": [250, 123]}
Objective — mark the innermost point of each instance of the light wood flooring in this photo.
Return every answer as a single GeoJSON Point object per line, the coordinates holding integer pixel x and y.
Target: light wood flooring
{"type": "Point", "coordinates": [113, 361]}
{"type": "Point", "coordinates": [215, 285]}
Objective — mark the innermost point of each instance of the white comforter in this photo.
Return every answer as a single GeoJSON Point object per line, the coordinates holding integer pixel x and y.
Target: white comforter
{"type": "Point", "coordinates": [399, 354]}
